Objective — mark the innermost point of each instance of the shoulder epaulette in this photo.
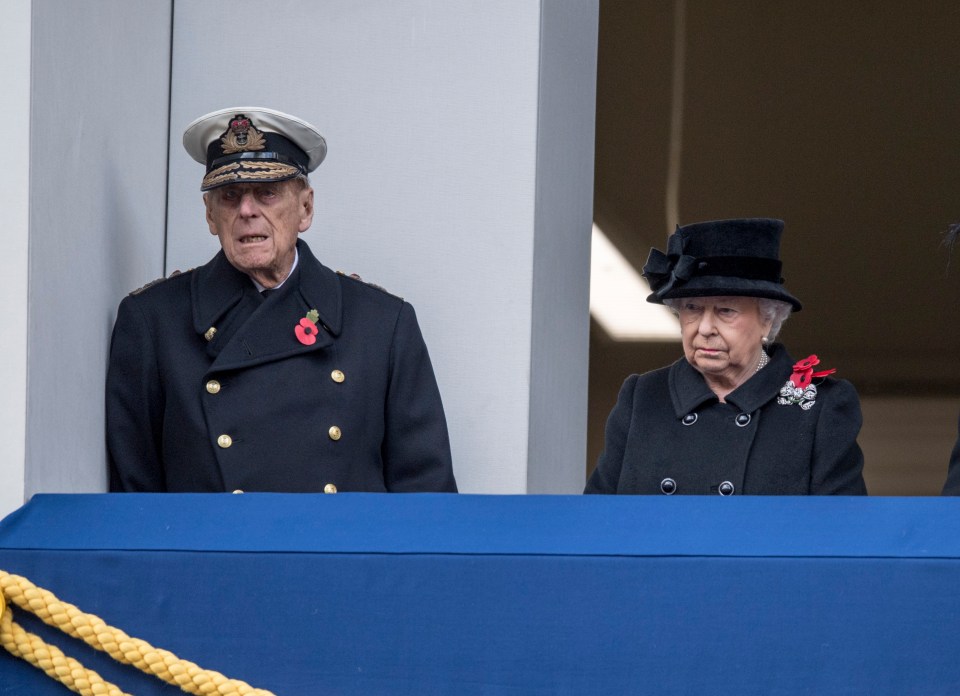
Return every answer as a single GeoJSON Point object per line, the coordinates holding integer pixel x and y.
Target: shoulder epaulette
{"type": "Point", "coordinates": [354, 276]}
{"type": "Point", "coordinates": [158, 281]}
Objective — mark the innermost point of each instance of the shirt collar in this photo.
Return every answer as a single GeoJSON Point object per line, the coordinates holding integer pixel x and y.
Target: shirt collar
{"type": "Point", "coordinates": [296, 260]}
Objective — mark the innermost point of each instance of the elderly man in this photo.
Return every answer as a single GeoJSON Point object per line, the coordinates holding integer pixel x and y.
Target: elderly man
{"type": "Point", "coordinates": [264, 370]}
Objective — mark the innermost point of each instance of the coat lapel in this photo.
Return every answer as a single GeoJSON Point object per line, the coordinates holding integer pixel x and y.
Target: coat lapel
{"type": "Point", "coordinates": [262, 330]}
{"type": "Point", "coordinates": [765, 385]}
{"type": "Point", "coordinates": [688, 389]}
{"type": "Point", "coordinates": [222, 300]}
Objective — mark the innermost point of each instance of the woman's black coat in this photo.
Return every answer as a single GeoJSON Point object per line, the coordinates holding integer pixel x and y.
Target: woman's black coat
{"type": "Point", "coordinates": [669, 433]}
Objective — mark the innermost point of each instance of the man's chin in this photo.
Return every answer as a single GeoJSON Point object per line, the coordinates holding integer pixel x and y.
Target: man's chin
{"type": "Point", "coordinates": [250, 266]}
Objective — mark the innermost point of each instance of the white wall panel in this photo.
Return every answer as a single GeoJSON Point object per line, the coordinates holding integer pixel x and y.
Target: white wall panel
{"type": "Point", "coordinates": [15, 202]}
{"type": "Point", "coordinates": [98, 146]}
{"type": "Point", "coordinates": [561, 283]}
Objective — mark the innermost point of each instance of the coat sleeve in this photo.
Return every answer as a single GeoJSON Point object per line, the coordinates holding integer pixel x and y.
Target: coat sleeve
{"type": "Point", "coordinates": [134, 405]}
{"type": "Point", "coordinates": [837, 467]}
{"type": "Point", "coordinates": [952, 486]}
{"type": "Point", "coordinates": [606, 476]}
{"type": "Point", "coordinates": [416, 446]}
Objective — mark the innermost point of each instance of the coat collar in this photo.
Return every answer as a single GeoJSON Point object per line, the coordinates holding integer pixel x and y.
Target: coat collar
{"type": "Point", "coordinates": [689, 390]}
{"type": "Point", "coordinates": [320, 289]}
{"type": "Point", "coordinates": [265, 331]}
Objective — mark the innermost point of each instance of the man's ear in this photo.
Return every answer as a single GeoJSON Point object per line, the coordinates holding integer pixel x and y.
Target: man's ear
{"type": "Point", "coordinates": [306, 209]}
{"type": "Point", "coordinates": [207, 203]}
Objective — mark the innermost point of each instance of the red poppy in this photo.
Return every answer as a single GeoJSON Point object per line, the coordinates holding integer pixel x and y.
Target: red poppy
{"type": "Point", "coordinates": [306, 332]}
{"type": "Point", "coordinates": [803, 372]}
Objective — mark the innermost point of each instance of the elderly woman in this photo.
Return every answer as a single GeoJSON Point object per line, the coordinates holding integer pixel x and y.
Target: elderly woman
{"type": "Point", "coordinates": [736, 414]}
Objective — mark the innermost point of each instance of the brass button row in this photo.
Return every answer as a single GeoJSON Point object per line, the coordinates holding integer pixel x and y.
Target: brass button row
{"type": "Point", "coordinates": [225, 441]}
{"type": "Point", "coordinates": [213, 386]}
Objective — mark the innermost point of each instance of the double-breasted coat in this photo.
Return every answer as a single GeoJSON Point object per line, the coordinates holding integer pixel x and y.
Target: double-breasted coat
{"type": "Point", "coordinates": [210, 389]}
{"type": "Point", "coordinates": [952, 486]}
{"type": "Point", "coordinates": [669, 433]}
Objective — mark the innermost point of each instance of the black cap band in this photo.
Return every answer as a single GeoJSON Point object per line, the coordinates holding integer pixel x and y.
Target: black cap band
{"type": "Point", "coordinates": [751, 268]}
{"type": "Point", "coordinates": [267, 156]}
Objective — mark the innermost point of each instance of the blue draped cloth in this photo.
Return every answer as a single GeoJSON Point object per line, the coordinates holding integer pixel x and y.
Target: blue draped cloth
{"type": "Point", "coordinates": [462, 594]}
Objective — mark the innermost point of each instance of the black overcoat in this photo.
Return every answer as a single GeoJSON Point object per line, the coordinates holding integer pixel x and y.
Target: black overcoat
{"type": "Point", "coordinates": [249, 407]}
{"type": "Point", "coordinates": [669, 433]}
{"type": "Point", "coordinates": [952, 486]}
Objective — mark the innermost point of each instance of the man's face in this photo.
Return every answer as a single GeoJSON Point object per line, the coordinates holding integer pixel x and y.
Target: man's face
{"type": "Point", "coordinates": [258, 225]}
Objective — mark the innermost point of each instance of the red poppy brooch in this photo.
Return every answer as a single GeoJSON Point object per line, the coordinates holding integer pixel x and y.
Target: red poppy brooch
{"type": "Point", "coordinates": [306, 330]}
{"type": "Point", "coordinates": [800, 389]}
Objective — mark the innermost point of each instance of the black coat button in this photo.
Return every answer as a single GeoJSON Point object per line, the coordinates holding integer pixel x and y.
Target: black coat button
{"type": "Point", "coordinates": [690, 419]}
{"type": "Point", "coordinates": [725, 488]}
{"type": "Point", "coordinates": [743, 419]}
{"type": "Point", "coordinates": [668, 486]}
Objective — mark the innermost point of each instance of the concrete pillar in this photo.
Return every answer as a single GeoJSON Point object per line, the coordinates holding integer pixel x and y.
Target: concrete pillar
{"type": "Point", "coordinates": [97, 112]}
{"type": "Point", "coordinates": [15, 202]}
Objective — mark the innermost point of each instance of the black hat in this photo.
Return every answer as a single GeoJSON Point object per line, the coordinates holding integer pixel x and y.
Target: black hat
{"type": "Point", "coordinates": [722, 257]}
{"type": "Point", "coordinates": [253, 144]}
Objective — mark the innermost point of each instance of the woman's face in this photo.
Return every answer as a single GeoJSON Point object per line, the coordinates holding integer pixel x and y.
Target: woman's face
{"type": "Point", "coordinates": [722, 336]}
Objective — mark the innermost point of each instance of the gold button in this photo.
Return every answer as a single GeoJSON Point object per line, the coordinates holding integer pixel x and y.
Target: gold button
{"type": "Point", "coordinates": [329, 488]}
{"type": "Point", "coordinates": [337, 376]}
{"type": "Point", "coordinates": [239, 490]}
{"type": "Point", "coordinates": [211, 332]}
{"type": "Point", "coordinates": [334, 432]}
{"type": "Point", "coordinates": [213, 386]}
{"type": "Point", "coordinates": [224, 441]}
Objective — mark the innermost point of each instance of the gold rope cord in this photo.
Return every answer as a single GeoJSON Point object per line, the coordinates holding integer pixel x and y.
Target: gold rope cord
{"type": "Point", "coordinates": [93, 631]}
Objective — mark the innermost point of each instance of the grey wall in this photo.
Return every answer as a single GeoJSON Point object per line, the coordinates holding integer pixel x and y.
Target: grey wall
{"type": "Point", "coordinates": [15, 202]}
{"type": "Point", "coordinates": [564, 217]}
{"type": "Point", "coordinates": [98, 144]}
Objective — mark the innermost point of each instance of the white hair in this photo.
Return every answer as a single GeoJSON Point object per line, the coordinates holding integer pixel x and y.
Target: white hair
{"type": "Point", "coordinates": [303, 180]}
{"type": "Point", "coordinates": [774, 311]}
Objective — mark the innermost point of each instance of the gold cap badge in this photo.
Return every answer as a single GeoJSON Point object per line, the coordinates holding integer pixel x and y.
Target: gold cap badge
{"type": "Point", "coordinates": [241, 136]}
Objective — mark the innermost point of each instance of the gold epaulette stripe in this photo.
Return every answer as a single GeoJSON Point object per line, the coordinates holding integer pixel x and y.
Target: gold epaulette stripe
{"type": "Point", "coordinates": [354, 276]}
{"type": "Point", "coordinates": [157, 282]}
